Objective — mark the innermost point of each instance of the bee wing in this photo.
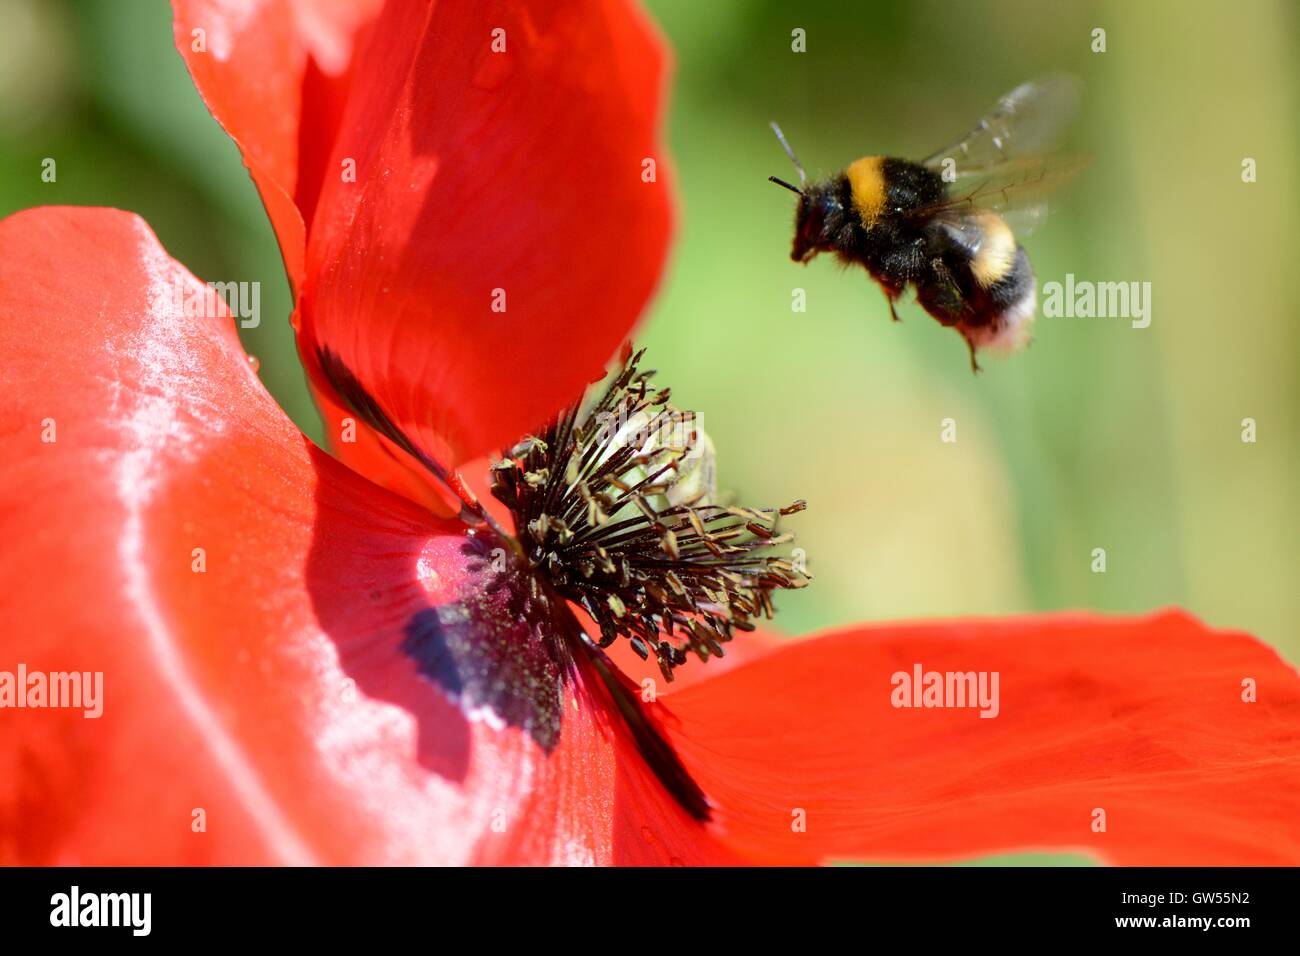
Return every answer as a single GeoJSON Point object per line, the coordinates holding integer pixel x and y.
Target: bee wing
{"type": "Point", "coordinates": [1018, 191]}
{"type": "Point", "coordinates": [1026, 220]}
{"type": "Point", "coordinates": [1029, 121]}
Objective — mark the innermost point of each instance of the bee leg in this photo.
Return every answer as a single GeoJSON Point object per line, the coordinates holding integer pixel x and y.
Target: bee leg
{"type": "Point", "coordinates": [942, 281]}
{"type": "Point", "coordinates": [974, 365]}
{"type": "Point", "coordinates": [890, 297]}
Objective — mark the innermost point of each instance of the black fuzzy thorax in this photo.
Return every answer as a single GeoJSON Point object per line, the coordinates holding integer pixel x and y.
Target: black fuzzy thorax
{"type": "Point", "coordinates": [898, 247]}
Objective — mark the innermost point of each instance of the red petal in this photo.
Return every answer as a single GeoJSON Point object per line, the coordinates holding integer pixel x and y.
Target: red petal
{"type": "Point", "coordinates": [274, 73]}
{"type": "Point", "coordinates": [269, 691]}
{"type": "Point", "coordinates": [363, 449]}
{"type": "Point", "coordinates": [1143, 719]}
{"type": "Point", "coordinates": [479, 171]}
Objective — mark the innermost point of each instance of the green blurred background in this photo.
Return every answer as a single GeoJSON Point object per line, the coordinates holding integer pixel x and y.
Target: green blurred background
{"type": "Point", "coordinates": [1100, 435]}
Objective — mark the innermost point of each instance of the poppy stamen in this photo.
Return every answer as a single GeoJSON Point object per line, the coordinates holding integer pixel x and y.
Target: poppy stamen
{"type": "Point", "coordinates": [614, 504]}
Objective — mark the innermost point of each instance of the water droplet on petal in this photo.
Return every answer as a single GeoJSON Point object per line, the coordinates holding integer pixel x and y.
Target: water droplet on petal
{"type": "Point", "coordinates": [254, 363]}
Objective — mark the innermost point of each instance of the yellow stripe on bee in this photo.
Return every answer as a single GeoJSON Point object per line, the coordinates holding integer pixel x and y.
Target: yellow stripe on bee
{"type": "Point", "coordinates": [867, 186]}
{"type": "Point", "coordinates": [997, 252]}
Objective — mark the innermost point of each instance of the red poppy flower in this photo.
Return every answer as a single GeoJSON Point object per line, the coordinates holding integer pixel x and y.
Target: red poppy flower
{"type": "Point", "coordinates": [300, 665]}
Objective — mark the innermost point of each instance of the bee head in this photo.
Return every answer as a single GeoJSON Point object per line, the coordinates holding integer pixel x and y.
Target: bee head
{"type": "Point", "coordinates": [816, 221]}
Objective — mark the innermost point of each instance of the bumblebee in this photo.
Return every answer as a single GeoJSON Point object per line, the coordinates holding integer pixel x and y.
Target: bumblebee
{"type": "Point", "coordinates": [943, 226]}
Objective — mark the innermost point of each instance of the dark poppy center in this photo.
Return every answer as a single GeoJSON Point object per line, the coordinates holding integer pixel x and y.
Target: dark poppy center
{"type": "Point", "coordinates": [502, 646]}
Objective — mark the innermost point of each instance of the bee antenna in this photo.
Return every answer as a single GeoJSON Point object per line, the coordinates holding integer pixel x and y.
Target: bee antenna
{"type": "Point", "coordinates": [782, 182]}
{"type": "Point", "coordinates": [803, 177]}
